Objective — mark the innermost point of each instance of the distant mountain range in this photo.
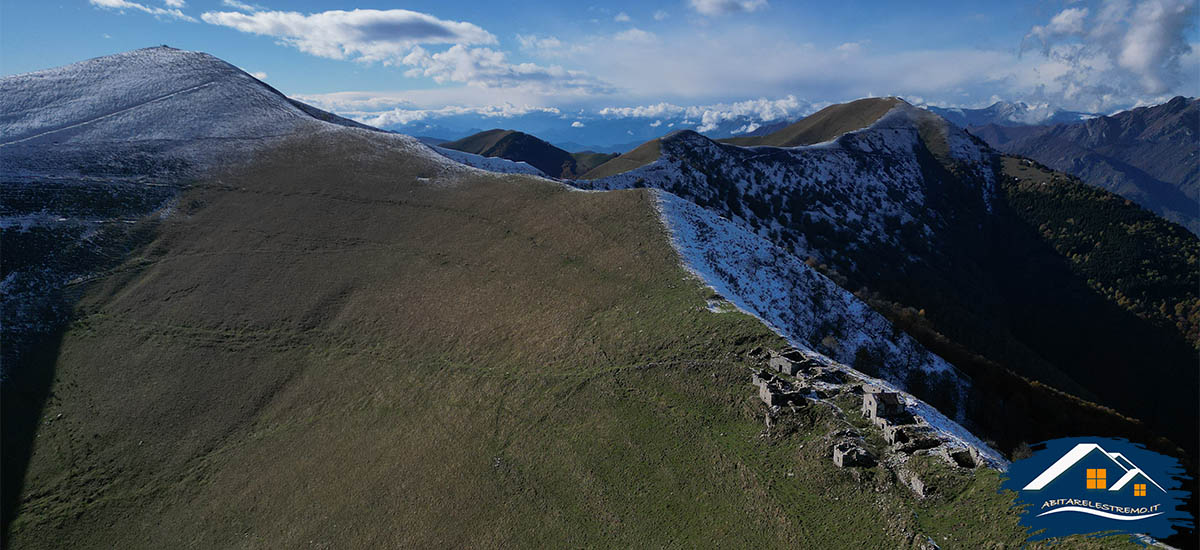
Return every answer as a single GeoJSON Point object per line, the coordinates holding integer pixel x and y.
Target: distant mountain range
{"type": "Point", "coordinates": [617, 132]}
{"type": "Point", "coordinates": [1150, 155]}
{"type": "Point", "coordinates": [604, 134]}
{"type": "Point", "coordinates": [1006, 113]}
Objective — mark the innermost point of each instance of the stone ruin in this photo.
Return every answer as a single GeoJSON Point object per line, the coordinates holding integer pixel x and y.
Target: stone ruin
{"type": "Point", "coordinates": [905, 431]}
{"type": "Point", "coordinates": [779, 394]}
{"type": "Point", "coordinates": [962, 457]}
{"type": "Point", "coordinates": [850, 452]}
{"type": "Point", "coordinates": [775, 391]}
{"type": "Point", "coordinates": [913, 481]}
{"type": "Point", "coordinates": [881, 404]}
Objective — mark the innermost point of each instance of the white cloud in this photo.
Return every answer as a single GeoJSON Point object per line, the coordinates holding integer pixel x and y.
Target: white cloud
{"type": "Point", "coordinates": [488, 68]}
{"type": "Point", "coordinates": [397, 37]}
{"type": "Point", "coordinates": [577, 124]}
{"type": "Point", "coordinates": [122, 5]}
{"type": "Point", "coordinates": [535, 42]}
{"type": "Point", "coordinates": [397, 117]}
{"type": "Point", "coordinates": [361, 35]}
{"type": "Point", "coordinates": [1067, 22]}
{"type": "Point", "coordinates": [259, 75]}
{"type": "Point", "coordinates": [384, 109]}
{"type": "Point", "coordinates": [175, 3]}
{"type": "Point", "coordinates": [1121, 51]}
{"type": "Point", "coordinates": [238, 5]}
{"type": "Point", "coordinates": [710, 116]}
{"type": "Point", "coordinates": [661, 15]}
{"type": "Point", "coordinates": [850, 48]}
{"type": "Point", "coordinates": [635, 35]}
{"type": "Point", "coordinates": [725, 7]}
{"type": "Point", "coordinates": [622, 18]}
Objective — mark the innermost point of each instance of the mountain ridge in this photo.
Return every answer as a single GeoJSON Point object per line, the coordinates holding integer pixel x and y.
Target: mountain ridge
{"type": "Point", "coordinates": [919, 199]}
{"type": "Point", "coordinates": [1147, 154]}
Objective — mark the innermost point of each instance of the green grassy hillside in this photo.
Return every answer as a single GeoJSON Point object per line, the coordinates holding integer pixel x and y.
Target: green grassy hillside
{"type": "Point", "coordinates": [328, 349]}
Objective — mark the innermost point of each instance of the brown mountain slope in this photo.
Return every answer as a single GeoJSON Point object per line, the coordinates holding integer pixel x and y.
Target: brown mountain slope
{"type": "Point", "coordinates": [644, 154]}
{"type": "Point", "coordinates": [824, 125]}
{"type": "Point", "coordinates": [520, 147]}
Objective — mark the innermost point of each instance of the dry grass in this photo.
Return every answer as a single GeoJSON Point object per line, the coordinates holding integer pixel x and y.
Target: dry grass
{"type": "Point", "coordinates": [644, 154]}
{"type": "Point", "coordinates": [823, 125]}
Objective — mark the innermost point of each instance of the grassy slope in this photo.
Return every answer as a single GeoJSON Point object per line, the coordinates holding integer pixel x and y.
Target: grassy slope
{"type": "Point", "coordinates": [319, 350]}
{"type": "Point", "coordinates": [588, 160]}
{"type": "Point", "coordinates": [644, 154]}
{"type": "Point", "coordinates": [823, 125]}
{"type": "Point", "coordinates": [519, 146]}
{"type": "Point", "coordinates": [479, 143]}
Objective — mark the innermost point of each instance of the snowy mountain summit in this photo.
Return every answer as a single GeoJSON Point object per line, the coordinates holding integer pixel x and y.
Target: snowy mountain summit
{"type": "Point", "coordinates": [187, 106]}
{"type": "Point", "coordinates": [92, 147]}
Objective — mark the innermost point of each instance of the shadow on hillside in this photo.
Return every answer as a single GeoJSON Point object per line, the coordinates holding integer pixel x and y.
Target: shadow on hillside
{"type": "Point", "coordinates": [23, 398]}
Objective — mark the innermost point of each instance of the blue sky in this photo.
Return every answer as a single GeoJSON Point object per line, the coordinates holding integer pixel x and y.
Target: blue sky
{"type": "Point", "coordinates": [392, 59]}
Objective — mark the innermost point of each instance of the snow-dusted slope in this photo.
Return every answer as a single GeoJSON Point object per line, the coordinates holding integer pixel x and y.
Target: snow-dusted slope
{"type": "Point", "coordinates": [806, 307]}
{"type": "Point", "coordinates": [158, 103]}
{"type": "Point", "coordinates": [490, 164]}
{"type": "Point", "coordinates": [881, 203]}
{"type": "Point", "coordinates": [90, 148]}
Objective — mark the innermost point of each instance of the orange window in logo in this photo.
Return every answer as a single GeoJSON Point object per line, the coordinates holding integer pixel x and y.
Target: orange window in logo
{"type": "Point", "coordinates": [1139, 489]}
{"type": "Point", "coordinates": [1096, 478]}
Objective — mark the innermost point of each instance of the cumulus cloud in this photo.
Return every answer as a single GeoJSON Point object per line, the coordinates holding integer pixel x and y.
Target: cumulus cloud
{"type": "Point", "coordinates": [361, 35]}
{"type": "Point", "coordinates": [1067, 22]}
{"type": "Point", "coordinates": [710, 116]}
{"type": "Point", "coordinates": [622, 18]}
{"type": "Point", "coordinates": [175, 3]}
{"type": "Point", "coordinates": [488, 68]}
{"type": "Point", "coordinates": [170, 12]}
{"type": "Point", "coordinates": [1122, 49]}
{"type": "Point", "coordinates": [398, 38]}
{"type": "Point", "coordinates": [577, 124]}
{"type": "Point", "coordinates": [400, 116]}
{"type": "Point", "coordinates": [661, 15]}
{"type": "Point", "coordinates": [396, 117]}
{"type": "Point", "coordinates": [725, 7]}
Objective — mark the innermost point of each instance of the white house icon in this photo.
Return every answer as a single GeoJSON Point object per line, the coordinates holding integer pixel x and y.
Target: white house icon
{"type": "Point", "coordinates": [1076, 454]}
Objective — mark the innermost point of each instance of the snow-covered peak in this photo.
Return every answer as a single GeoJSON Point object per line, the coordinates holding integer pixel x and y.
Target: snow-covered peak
{"type": "Point", "coordinates": [149, 94]}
